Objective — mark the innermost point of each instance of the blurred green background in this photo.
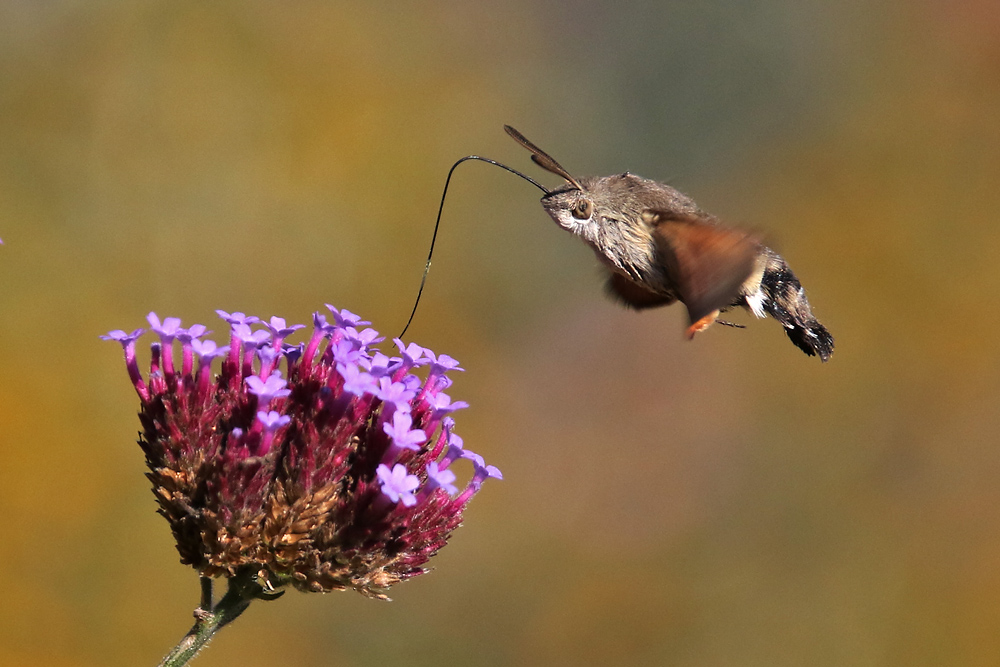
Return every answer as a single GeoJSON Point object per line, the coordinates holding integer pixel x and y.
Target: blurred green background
{"type": "Point", "coordinates": [727, 501]}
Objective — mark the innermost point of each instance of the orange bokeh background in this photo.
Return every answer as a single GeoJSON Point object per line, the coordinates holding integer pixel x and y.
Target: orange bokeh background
{"type": "Point", "coordinates": [726, 501]}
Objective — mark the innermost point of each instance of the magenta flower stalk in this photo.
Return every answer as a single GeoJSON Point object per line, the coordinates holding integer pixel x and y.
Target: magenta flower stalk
{"type": "Point", "coordinates": [323, 466]}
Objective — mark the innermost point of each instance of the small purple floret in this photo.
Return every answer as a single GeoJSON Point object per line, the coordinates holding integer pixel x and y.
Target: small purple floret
{"type": "Point", "coordinates": [122, 337]}
{"type": "Point", "coordinates": [442, 405]}
{"type": "Point", "coordinates": [380, 365]}
{"type": "Point", "coordinates": [237, 317]}
{"type": "Point", "coordinates": [413, 355]}
{"type": "Point", "coordinates": [192, 333]}
{"type": "Point", "coordinates": [397, 484]}
{"type": "Point", "coordinates": [250, 339]}
{"type": "Point", "coordinates": [267, 354]}
{"type": "Point", "coordinates": [355, 381]}
{"type": "Point", "coordinates": [456, 448]}
{"type": "Point", "coordinates": [167, 330]}
{"type": "Point", "coordinates": [483, 471]}
{"type": "Point", "coordinates": [401, 434]}
{"type": "Point", "coordinates": [412, 383]}
{"type": "Point", "coordinates": [292, 352]}
{"type": "Point", "coordinates": [279, 329]}
{"type": "Point", "coordinates": [345, 352]}
{"type": "Point", "coordinates": [267, 390]}
{"type": "Point", "coordinates": [345, 318]}
{"type": "Point", "coordinates": [394, 393]}
{"type": "Point", "coordinates": [443, 363]}
{"type": "Point", "coordinates": [272, 420]}
{"type": "Point", "coordinates": [476, 459]}
{"type": "Point", "coordinates": [207, 349]}
{"type": "Point", "coordinates": [362, 339]}
{"type": "Point", "coordinates": [441, 478]}
{"type": "Point", "coordinates": [127, 341]}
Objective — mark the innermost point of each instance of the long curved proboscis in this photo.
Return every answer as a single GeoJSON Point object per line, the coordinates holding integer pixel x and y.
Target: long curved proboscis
{"type": "Point", "coordinates": [541, 158]}
{"type": "Point", "coordinates": [437, 223]}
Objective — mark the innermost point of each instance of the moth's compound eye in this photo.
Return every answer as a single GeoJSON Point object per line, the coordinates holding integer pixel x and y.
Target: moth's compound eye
{"type": "Point", "coordinates": [583, 209]}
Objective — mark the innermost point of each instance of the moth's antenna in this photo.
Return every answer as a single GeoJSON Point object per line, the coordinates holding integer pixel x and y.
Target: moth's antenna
{"type": "Point", "coordinates": [541, 158]}
{"type": "Point", "coordinates": [437, 223]}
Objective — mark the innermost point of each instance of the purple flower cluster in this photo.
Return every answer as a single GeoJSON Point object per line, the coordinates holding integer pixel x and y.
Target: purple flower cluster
{"type": "Point", "coordinates": [334, 473]}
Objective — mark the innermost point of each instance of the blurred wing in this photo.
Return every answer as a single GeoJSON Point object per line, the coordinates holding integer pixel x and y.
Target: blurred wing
{"type": "Point", "coordinates": [634, 295]}
{"type": "Point", "coordinates": [707, 262]}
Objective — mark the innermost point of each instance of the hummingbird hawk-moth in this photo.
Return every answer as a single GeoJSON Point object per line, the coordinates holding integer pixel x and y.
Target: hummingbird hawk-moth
{"type": "Point", "coordinates": [659, 247]}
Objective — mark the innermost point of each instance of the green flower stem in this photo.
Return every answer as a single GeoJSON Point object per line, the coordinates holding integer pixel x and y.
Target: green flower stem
{"type": "Point", "coordinates": [206, 593]}
{"type": "Point", "coordinates": [243, 589]}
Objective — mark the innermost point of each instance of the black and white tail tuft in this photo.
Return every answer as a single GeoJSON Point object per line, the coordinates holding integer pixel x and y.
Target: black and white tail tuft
{"type": "Point", "coordinates": [785, 300]}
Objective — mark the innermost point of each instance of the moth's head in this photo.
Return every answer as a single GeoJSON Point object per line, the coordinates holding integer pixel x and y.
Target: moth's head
{"type": "Point", "coordinates": [586, 205]}
{"type": "Point", "coordinates": [571, 206]}
{"type": "Point", "coordinates": [574, 208]}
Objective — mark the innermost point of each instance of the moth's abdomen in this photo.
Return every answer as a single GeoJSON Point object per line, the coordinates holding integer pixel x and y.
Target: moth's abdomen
{"type": "Point", "coordinates": [780, 295]}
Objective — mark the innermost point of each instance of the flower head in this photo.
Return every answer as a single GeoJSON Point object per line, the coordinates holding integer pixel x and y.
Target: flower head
{"type": "Point", "coordinates": [322, 465]}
